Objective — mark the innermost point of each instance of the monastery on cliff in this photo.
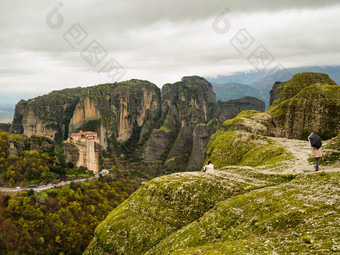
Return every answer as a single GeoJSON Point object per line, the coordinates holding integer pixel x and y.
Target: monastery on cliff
{"type": "Point", "coordinates": [87, 144]}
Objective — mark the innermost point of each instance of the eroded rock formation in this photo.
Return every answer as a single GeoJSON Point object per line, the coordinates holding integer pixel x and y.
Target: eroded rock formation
{"type": "Point", "coordinates": [173, 129]}
{"type": "Point", "coordinates": [191, 115]}
{"type": "Point", "coordinates": [309, 102]}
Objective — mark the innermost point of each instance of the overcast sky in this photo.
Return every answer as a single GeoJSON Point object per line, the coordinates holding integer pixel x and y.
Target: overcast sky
{"type": "Point", "coordinates": [44, 44]}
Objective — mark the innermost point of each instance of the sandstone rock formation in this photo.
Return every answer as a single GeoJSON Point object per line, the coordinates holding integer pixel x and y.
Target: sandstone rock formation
{"type": "Point", "coordinates": [112, 110]}
{"type": "Point", "coordinates": [47, 115]}
{"type": "Point", "coordinates": [190, 116]}
{"type": "Point", "coordinates": [173, 129]}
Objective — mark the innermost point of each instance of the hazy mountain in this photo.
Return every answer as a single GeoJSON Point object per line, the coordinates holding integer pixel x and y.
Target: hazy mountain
{"type": "Point", "coordinates": [263, 81]}
{"type": "Point", "coordinates": [229, 91]}
{"type": "Point", "coordinates": [8, 102]}
{"type": "Point", "coordinates": [6, 113]}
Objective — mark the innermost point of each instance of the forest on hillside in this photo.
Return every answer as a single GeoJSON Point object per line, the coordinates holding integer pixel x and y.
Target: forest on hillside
{"type": "Point", "coordinates": [59, 221]}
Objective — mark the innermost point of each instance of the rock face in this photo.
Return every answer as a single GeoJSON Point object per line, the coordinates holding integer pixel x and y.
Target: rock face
{"type": "Point", "coordinates": [173, 129]}
{"type": "Point", "coordinates": [112, 110]}
{"type": "Point", "coordinates": [84, 152]}
{"type": "Point", "coordinates": [201, 136]}
{"type": "Point", "coordinates": [190, 116]}
{"type": "Point", "coordinates": [47, 115]}
{"type": "Point", "coordinates": [229, 109]}
{"type": "Point", "coordinates": [184, 105]}
{"type": "Point", "coordinates": [116, 110]}
{"type": "Point", "coordinates": [224, 111]}
{"type": "Point", "coordinates": [275, 92]}
{"type": "Point", "coordinates": [198, 213]}
{"type": "Point", "coordinates": [309, 102]}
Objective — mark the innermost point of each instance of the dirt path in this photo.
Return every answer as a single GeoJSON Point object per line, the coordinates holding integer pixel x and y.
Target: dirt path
{"type": "Point", "coordinates": [301, 151]}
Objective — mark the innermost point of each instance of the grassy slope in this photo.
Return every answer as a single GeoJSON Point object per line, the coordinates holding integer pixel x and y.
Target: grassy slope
{"type": "Point", "coordinates": [167, 204]}
{"type": "Point", "coordinates": [297, 217]}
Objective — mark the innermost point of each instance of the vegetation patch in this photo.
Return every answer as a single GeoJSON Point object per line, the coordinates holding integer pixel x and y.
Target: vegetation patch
{"type": "Point", "coordinates": [299, 217]}
{"type": "Point", "coordinates": [242, 148]}
{"type": "Point", "coordinates": [59, 221]}
{"type": "Point", "coordinates": [164, 205]}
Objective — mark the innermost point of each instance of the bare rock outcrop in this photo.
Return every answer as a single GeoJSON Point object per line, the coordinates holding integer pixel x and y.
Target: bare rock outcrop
{"type": "Point", "coordinates": [190, 116]}
{"type": "Point", "coordinates": [275, 92]}
{"type": "Point", "coordinates": [132, 116]}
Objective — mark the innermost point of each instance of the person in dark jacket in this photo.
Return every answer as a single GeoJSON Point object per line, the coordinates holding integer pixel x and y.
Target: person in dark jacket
{"type": "Point", "coordinates": [314, 140]}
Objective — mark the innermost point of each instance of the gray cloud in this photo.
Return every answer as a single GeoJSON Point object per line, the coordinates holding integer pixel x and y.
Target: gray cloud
{"type": "Point", "coordinates": [159, 40]}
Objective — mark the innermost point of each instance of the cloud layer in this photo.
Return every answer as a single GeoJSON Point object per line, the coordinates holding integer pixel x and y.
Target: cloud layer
{"type": "Point", "coordinates": [160, 41]}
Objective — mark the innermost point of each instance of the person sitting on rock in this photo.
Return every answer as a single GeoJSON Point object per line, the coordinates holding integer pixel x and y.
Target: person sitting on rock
{"type": "Point", "coordinates": [315, 143]}
{"type": "Point", "coordinates": [209, 168]}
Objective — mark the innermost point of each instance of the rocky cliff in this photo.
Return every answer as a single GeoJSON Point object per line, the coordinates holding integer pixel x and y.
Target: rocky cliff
{"type": "Point", "coordinates": [261, 199]}
{"type": "Point", "coordinates": [275, 92]}
{"type": "Point", "coordinates": [47, 115]}
{"type": "Point", "coordinates": [132, 116]}
{"type": "Point", "coordinates": [190, 115]}
{"type": "Point", "coordinates": [112, 110]}
{"type": "Point", "coordinates": [308, 102]}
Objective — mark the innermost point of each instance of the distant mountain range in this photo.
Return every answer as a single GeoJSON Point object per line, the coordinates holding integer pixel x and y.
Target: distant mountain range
{"type": "Point", "coordinates": [8, 102]}
{"type": "Point", "coordinates": [6, 113]}
{"type": "Point", "coordinates": [262, 81]}
{"type": "Point", "coordinates": [230, 91]}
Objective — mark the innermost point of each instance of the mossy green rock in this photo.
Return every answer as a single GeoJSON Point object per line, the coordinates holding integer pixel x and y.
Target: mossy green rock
{"type": "Point", "coordinates": [315, 108]}
{"type": "Point", "coordinates": [235, 211]}
{"type": "Point", "coordinates": [301, 81]}
{"type": "Point", "coordinates": [167, 204]}
{"type": "Point", "coordinates": [300, 217]}
{"type": "Point", "coordinates": [331, 153]}
{"type": "Point", "coordinates": [309, 102]}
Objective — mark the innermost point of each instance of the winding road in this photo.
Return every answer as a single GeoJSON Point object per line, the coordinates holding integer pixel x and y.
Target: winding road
{"type": "Point", "coordinates": [49, 186]}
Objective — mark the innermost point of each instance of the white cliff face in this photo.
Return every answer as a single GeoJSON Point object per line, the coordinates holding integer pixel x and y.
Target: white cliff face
{"type": "Point", "coordinates": [125, 128]}
{"type": "Point", "coordinates": [132, 111]}
{"type": "Point", "coordinates": [85, 111]}
{"type": "Point", "coordinates": [89, 154]}
{"type": "Point", "coordinates": [35, 126]}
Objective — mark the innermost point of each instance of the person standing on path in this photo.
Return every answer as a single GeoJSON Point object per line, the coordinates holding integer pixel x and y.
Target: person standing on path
{"type": "Point", "coordinates": [315, 143]}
